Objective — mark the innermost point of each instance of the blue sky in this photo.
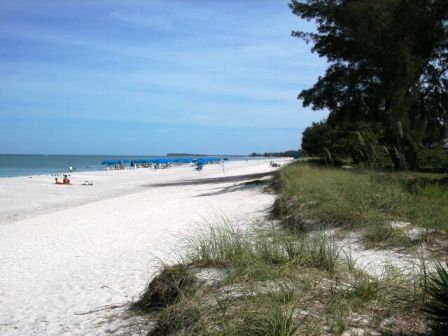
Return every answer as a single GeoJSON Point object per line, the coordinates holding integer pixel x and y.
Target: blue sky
{"type": "Point", "coordinates": [151, 77]}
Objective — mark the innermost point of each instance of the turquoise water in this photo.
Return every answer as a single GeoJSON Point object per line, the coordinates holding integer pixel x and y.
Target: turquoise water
{"type": "Point", "coordinates": [25, 165]}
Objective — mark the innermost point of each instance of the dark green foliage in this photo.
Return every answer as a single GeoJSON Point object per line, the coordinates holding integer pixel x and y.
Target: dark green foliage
{"type": "Point", "coordinates": [177, 317]}
{"type": "Point", "coordinates": [167, 287]}
{"type": "Point", "coordinates": [358, 142]}
{"type": "Point", "coordinates": [388, 65]}
{"type": "Point", "coordinates": [433, 159]}
{"type": "Point", "coordinates": [437, 288]}
{"type": "Point", "coordinates": [315, 138]}
{"type": "Point", "coordinates": [289, 153]}
{"type": "Point", "coordinates": [381, 157]}
{"type": "Point", "coordinates": [428, 187]}
{"type": "Point", "coordinates": [362, 143]}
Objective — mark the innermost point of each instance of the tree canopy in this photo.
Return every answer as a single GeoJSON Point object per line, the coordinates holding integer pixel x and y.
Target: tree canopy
{"type": "Point", "coordinates": [388, 64]}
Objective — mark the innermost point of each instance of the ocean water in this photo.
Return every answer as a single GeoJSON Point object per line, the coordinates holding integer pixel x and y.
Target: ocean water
{"type": "Point", "coordinates": [25, 165]}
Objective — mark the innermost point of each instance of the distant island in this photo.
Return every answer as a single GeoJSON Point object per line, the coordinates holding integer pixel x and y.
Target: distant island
{"type": "Point", "coordinates": [289, 153]}
{"type": "Point", "coordinates": [192, 155]}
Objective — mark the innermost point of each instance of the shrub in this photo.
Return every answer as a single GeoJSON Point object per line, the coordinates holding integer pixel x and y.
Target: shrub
{"type": "Point", "coordinates": [167, 287]}
{"type": "Point", "coordinates": [437, 289]}
{"type": "Point", "coordinates": [433, 159]}
{"type": "Point", "coordinates": [181, 316]}
{"type": "Point", "coordinates": [381, 158]}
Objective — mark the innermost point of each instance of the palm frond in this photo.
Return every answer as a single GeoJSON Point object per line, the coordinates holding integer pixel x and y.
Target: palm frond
{"type": "Point", "coordinates": [437, 289]}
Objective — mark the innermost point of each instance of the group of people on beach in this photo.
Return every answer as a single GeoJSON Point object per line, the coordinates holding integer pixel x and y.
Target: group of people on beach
{"type": "Point", "coordinates": [65, 180]}
{"type": "Point", "coordinates": [120, 166]}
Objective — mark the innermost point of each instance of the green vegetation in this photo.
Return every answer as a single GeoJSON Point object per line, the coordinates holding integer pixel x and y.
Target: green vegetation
{"type": "Point", "coordinates": [437, 288]}
{"type": "Point", "coordinates": [356, 143]}
{"type": "Point", "coordinates": [224, 246]}
{"type": "Point", "coordinates": [290, 153]}
{"type": "Point", "coordinates": [387, 76]}
{"type": "Point", "coordinates": [433, 159]}
{"type": "Point", "coordinates": [294, 278]}
{"type": "Point", "coordinates": [281, 284]}
{"type": "Point", "coordinates": [311, 197]}
{"type": "Point", "coordinates": [361, 144]}
{"type": "Point", "coordinates": [386, 90]}
{"type": "Point", "coordinates": [166, 288]}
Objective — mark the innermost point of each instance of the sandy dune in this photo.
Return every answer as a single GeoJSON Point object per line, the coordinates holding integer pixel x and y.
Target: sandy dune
{"type": "Point", "coordinates": [73, 257]}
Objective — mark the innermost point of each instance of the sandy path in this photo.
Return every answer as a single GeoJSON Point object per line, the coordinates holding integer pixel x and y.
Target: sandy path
{"type": "Point", "coordinates": [59, 263]}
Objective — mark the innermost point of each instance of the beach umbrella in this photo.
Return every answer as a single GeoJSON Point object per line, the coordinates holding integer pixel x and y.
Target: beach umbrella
{"type": "Point", "coordinates": [114, 162]}
{"type": "Point", "coordinates": [110, 162]}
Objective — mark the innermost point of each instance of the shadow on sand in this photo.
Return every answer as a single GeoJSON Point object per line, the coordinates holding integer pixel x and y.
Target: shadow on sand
{"type": "Point", "coordinates": [236, 178]}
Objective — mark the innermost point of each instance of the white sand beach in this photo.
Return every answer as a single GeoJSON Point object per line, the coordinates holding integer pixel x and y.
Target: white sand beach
{"type": "Point", "coordinates": [72, 258]}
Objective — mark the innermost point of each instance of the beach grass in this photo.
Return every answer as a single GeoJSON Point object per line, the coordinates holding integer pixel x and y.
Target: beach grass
{"type": "Point", "coordinates": [292, 277]}
{"type": "Point", "coordinates": [311, 197]}
{"type": "Point", "coordinates": [279, 284]}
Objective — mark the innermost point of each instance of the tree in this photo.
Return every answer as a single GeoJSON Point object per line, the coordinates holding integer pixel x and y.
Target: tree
{"type": "Point", "coordinates": [388, 64]}
{"type": "Point", "coordinates": [358, 141]}
{"type": "Point", "coordinates": [315, 138]}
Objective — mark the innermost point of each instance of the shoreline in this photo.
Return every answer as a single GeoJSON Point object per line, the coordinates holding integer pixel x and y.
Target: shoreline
{"type": "Point", "coordinates": [97, 167]}
{"type": "Point", "coordinates": [22, 197]}
{"type": "Point", "coordinates": [65, 264]}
